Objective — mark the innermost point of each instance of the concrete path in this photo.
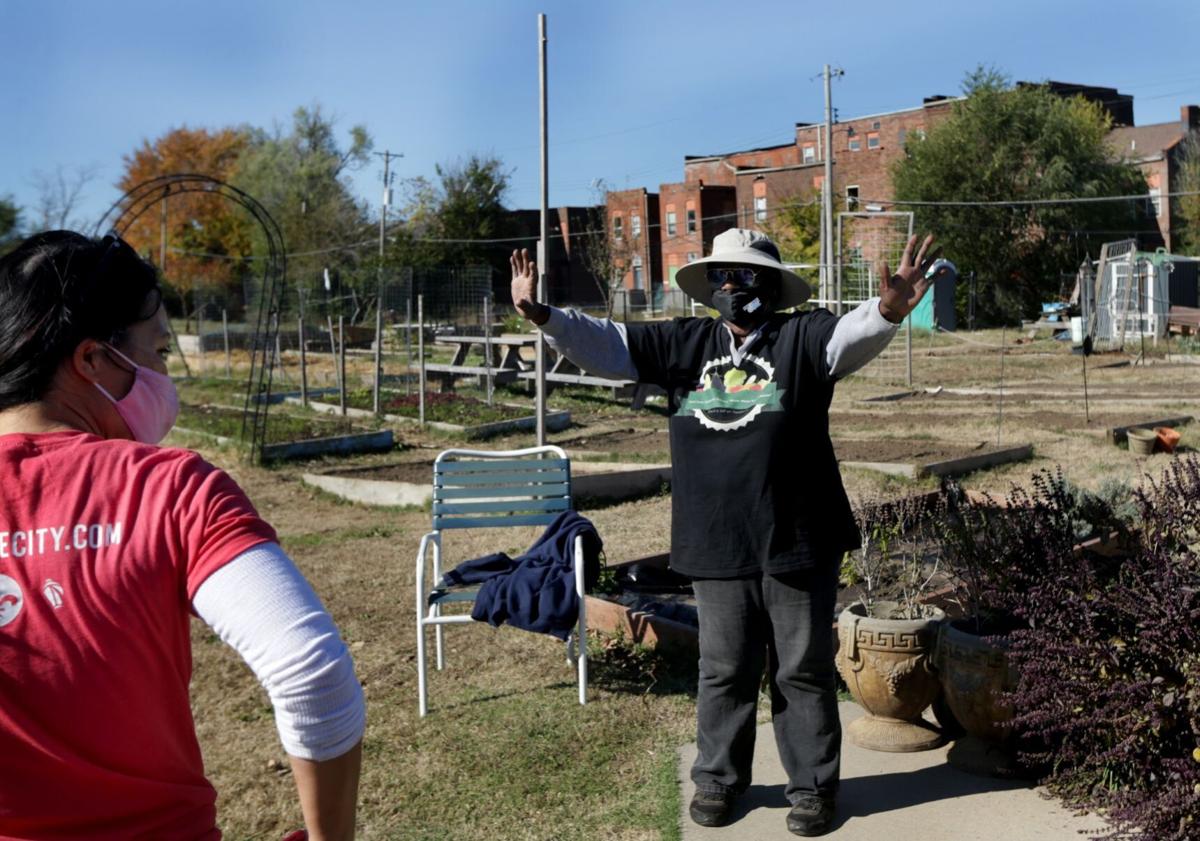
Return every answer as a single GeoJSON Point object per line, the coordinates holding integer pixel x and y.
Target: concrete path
{"type": "Point", "coordinates": [892, 795]}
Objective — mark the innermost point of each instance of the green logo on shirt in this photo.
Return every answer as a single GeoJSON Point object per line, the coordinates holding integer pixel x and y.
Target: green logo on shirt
{"type": "Point", "coordinates": [729, 397]}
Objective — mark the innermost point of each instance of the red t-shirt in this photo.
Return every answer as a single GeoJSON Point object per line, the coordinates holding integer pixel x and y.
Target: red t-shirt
{"type": "Point", "coordinates": [102, 546]}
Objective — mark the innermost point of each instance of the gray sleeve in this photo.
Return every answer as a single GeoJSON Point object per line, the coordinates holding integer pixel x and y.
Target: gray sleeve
{"type": "Point", "coordinates": [598, 346]}
{"type": "Point", "coordinates": [860, 335]}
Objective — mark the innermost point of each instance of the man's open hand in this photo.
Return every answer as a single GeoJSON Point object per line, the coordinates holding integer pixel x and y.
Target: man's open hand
{"type": "Point", "coordinates": [900, 293]}
{"type": "Point", "coordinates": [524, 288]}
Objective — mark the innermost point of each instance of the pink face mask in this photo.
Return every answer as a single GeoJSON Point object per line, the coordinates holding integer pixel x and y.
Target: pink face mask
{"type": "Point", "coordinates": [151, 406]}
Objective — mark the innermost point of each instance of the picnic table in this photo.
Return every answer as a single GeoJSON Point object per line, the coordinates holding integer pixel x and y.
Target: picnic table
{"type": "Point", "coordinates": [503, 364]}
{"type": "Point", "coordinates": [508, 365]}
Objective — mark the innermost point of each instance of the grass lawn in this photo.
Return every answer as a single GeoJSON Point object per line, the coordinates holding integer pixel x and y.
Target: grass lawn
{"type": "Point", "coordinates": [506, 751]}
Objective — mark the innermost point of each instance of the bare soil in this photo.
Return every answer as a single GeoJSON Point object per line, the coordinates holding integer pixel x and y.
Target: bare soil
{"type": "Point", "coordinates": [622, 441]}
{"type": "Point", "coordinates": [418, 472]}
{"type": "Point", "coordinates": [903, 451]}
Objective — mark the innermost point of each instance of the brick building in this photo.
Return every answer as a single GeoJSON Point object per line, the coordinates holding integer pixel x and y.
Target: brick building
{"type": "Point", "coordinates": [636, 241]}
{"type": "Point", "coordinates": [569, 279]}
{"type": "Point", "coordinates": [693, 212]}
{"type": "Point", "coordinates": [1155, 149]}
{"type": "Point", "coordinates": [746, 188]}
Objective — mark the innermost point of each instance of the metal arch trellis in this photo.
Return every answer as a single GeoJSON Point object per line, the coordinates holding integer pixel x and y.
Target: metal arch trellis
{"type": "Point", "coordinates": [130, 207]}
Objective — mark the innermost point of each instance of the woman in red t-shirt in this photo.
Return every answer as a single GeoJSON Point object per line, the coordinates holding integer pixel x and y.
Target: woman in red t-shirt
{"type": "Point", "coordinates": [108, 543]}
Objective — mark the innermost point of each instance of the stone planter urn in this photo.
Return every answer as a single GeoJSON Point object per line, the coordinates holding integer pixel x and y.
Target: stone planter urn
{"type": "Point", "coordinates": [888, 666]}
{"type": "Point", "coordinates": [974, 673]}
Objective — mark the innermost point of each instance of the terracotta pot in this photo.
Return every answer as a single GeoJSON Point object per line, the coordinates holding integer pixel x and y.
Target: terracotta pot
{"type": "Point", "coordinates": [888, 666]}
{"type": "Point", "coordinates": [974, 674]}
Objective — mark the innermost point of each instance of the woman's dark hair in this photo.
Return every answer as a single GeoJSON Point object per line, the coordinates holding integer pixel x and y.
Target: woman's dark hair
{"type": "Point", "coordinates": [58, 288]}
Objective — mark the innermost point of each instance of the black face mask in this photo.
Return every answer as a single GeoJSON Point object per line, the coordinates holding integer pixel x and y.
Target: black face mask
{"type": "Point", "coordinates": [745, 308]}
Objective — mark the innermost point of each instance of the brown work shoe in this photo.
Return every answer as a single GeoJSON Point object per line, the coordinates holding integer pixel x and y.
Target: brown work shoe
{"type": "Point", "coordinates": [811, 815]}
{"type": "Point", "coordinates": [711, 808]}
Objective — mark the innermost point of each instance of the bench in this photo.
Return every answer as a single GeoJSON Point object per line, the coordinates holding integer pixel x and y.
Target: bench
{"type": "Point", "coordinates": [446, 373]}
{"type": "Point", "coordinates": [620, 388]}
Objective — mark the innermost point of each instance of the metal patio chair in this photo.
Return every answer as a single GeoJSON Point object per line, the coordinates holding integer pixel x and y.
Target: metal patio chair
{"type": "Point", "coordinates": [480, 489]}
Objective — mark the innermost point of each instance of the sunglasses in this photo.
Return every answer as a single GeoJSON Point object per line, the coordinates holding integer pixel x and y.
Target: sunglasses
{"type": "Point", "coordinates": [739, 276]}
{"type": "Point", "coordinates": [115, 247]}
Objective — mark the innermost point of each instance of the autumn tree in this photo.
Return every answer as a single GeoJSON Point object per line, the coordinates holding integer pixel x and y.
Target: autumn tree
{"type": "Point", "coordinates": [1030, 147]}
{"type": "Point", "coordinates": [208, 236]}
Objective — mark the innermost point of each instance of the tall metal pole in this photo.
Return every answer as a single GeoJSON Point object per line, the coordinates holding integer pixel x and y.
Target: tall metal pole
{"type": "Point", "coordinates": [385, 200]}
{"type": "Point", "coordinates": [543, 242]}
{"type": "Point", "coordinates": [827, 189]}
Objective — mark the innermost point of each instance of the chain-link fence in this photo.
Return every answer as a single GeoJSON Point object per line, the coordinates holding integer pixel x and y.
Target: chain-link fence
{"type": "Point", "coordinates": [864, 242]}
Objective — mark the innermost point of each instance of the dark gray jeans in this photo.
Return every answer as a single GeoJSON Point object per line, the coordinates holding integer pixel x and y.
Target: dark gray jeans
{"type": "Point", "coordinates": [784, 624]}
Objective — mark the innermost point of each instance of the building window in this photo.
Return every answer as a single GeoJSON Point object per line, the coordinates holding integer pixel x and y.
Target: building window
{"type": "Point", "coordinates": [872, 140]}
{"type": "Point", "coordinates": [900, 137]}
{"type": "Point", "coordinates": [670, 223]}
{"type": "Point", "coordinates": [852, 197]}
{"type": "Point", "coordinates": [1154, 202]}
{"type": "Point", "coordinates": [691, 221]}
{"type": "Point", "coordinates": [638, 282]}
{"type": "Point", "coordinates": [760, 208]}
{"type": "Point", "coordinates": [635, 225]}
{"type": "Point", "coordinates": [617, 227]}
{"type": "Point", "coordinates": [854, 144]}
{"type": "Point", "coordinates": [810, 153]}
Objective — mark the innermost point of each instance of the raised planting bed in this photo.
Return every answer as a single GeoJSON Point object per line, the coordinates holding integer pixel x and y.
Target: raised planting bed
{"type": "Point", "coordinates": [472, 419]}
{"type": "Point", "coordinates": [916, 459]}
{"type": "Point", "coordinates": [288, 436]}
{"type": "Point", "coordinates": [1120, 434]}
{"type": "Point", "coordinates": [411, 482]}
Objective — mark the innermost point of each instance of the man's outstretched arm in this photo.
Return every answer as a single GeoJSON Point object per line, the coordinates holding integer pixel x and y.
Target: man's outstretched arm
{"type": "Point", "coordinates": [599, 346]}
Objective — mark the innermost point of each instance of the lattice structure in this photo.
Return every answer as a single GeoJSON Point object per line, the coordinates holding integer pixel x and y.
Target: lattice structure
{"type": "Point", "coordinates": [264, 316]}
{"type": "Point", "coordinates": [864, 242]}
{"type": "Point", "coordinates": [1132, 298]}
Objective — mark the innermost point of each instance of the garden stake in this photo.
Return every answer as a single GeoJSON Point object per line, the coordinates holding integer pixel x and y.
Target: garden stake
{"type": "Point", "coordinates": [1086, 414]}
{"type": "Point", "coordinates": [228, 358]}
{"type": "Point", "coordinates": [421, 358]}
{"type": "Point", "coordinates": [341, 363]}
{"type": "Point", "coordinates": [303, 363]}
{"type": "Point", "coordinates": [1000, 396]}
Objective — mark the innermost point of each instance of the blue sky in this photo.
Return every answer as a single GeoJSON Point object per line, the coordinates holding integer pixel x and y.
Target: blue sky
{"type": "Point", "coordinates": [634, 86]}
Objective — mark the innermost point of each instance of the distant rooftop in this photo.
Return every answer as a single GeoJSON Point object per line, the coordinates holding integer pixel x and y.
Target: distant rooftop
{"type": "Point", "coordinates": [1145, 141]}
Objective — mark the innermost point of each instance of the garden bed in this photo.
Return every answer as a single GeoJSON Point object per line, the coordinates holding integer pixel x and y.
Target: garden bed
{"type": "Point", "coordinates": [226, 422]}
{"type": "Point", "coordinates": [287, 436]}
{"type": "Point", "coordinates": [916, 459]}
{"type": "Point", "coordinates": [504, 418]}
{"type": "Point", "coordinates": [411, 482]}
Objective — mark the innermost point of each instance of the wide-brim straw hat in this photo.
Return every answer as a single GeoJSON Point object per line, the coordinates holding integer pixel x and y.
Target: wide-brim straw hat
{"type": "Point", "coordinates": [742, 247]}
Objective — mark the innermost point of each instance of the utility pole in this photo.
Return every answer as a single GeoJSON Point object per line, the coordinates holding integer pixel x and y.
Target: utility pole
{"type": "Point", "coordinates": [543, 242]}
{"type": "Point", "coordinates": [827, 251]}
{"type": "Point", "coordinates": [383, 209]}
{"type": "Point", "coordinates": [387, 196]}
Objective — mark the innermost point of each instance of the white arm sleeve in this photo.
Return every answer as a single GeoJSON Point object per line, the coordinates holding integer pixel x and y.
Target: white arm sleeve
{"type": "Point", "coordinates": [599, 346]}
{"type": "Point", "coordinates": [860, 335]}
{"type": "Point", "coordinates": [260, 604]}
